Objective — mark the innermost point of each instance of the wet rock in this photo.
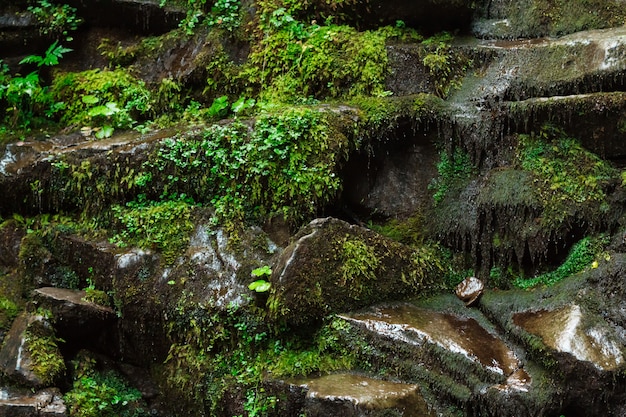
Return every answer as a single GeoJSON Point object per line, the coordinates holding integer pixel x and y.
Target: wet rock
{"type": "Point", "coordinates": [469, 290]}
{"type": "Point", "coordinates": [458, 335]}
{"type": "Point", "coordinates": [333, 266]}
{"type": "Point", "coordinates": [10, 239]}
{"type": "Point", "coordinates": [351, 395]}
{"type": "Point", "coordinates": [428, 15]}
{"type": "Point", "coordinates": [45, 403]}
{"type": "Point", "coordinates": [564, 330]}
{"type": "Point", "coordinates": [16, 354]}
{"type": "Point", "coordinates": [393, 181]}
{"type": "Point", "coordinates": [82, 324]}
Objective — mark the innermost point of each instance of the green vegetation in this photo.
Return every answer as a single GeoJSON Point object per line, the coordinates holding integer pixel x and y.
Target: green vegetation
{"type": "Point", "coordinates": [8, 312]}
{"type": "Point", "coordinates": [55, 19]}
{"type": "Point", "coordinates": [216, 352]}
{"type": "Point", "coordinates": [102, 99]}
{"type": "Point", "coordinates": [360, 265]}
{"type": "Point", "coordinates": [24, 101]}
{"type": "Point", "coordinates": [47, 362]}
{"type": "Point", "coordinates": [581, 256]}
{"type": "Point", "coordinates": [261, 284]}
{"type": "Point", "coordinates": [568, 177]}
{"type": "Point", "coordinates": [162, 225]}
{"type": "Point", "coordinates": [284, 165]}
{"type": "Point", "coordinates": [454, 169]}
{"type": "Point", "coordinates": [103, 394]}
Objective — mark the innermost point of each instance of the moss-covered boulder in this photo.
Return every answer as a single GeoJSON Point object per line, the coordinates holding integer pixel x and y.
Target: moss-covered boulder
{"type": "Point", "coordinates": [30, 353]}
{"type": "Point", "coordinates": [333, 266]}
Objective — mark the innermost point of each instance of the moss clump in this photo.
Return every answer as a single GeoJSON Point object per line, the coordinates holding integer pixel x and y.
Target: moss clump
{"type": "Point", "coordinates": [454, 170]}
{"type": "Point", "coordinates": [359, 266]}
{"type": "Point", "coordinates": [581, 256]}
{"type": "Point", "coordinates": [47, 362]}
{"type": "Point", "coordinates": [295, 61]}
{"type": "Point", "coordinates": [165, 226]}
{"type": "Point", "coordinates": [569, 179]}
{"type": "Point", "coordinates": [101, 97]}
{"type": "Point", "coordinates": [218, 353]}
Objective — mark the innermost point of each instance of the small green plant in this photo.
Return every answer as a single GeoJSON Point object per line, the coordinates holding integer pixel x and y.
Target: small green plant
{"type": "Point", "coordinates": [103, 394]}
{"type": "Point", "coordinates": [224, 14]}
{"type": "Point", "coordinates": [94, 295]}
{"type": "Point", "coordinates": [24, 100]}
{"type": "Point", "coordinates": [261, 284]}
{"type": "Point", "coordinates": [57, 20]}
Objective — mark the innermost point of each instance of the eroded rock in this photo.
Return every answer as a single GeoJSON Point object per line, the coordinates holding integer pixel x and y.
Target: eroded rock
{"type": "Point", "coordinates": [333, 266]}
{"type": "Point", "coordinates": [45, 403]}
{"type": "Point", "coordinates": [26, 361]}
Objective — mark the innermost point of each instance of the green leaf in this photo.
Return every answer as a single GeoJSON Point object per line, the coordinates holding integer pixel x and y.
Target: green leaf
{"type": "Point", "coordinates": [264, 270]}
{"type": "Point", "coordinates": [89, 99]}
{"type": "Point", "coordinates": [260, 285]}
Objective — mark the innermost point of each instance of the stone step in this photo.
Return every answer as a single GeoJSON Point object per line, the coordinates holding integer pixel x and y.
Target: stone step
{"type": "Point", "coordinates": [453, 357]}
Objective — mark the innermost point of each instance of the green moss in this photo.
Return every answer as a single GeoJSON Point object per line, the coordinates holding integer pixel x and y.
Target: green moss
{"type": "Point", "coordinates": [295, 60]}
{"type": "Point", "coordinates": [581, 256]}
{"type": "Point", "coordinates": [569, 179]}
{"type": "Point", "coordinates": [166, 226]}
{"type": "Point", "coordinates": [454, 170]}
{"type": "Point", "coordinates": [360, 265]}
{"type": "Point", "coordinates": [47, 362]}
{"type": "Point", "coordinates": [102, 97]}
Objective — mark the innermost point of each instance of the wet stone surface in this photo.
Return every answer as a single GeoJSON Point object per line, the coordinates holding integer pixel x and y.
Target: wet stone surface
{"type": "Point", "coordinates": [355, 395]}
{"type": "Point", "coordinates": [563, 330]}
{"type": "Point", "coordinates": [460, 335]}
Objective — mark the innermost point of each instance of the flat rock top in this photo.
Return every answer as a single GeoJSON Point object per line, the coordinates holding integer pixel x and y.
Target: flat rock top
{"type": "Point", "coordinates": [373, 394]}
{"type": "Point", "coordinates": [458, 334]}
{"type": "Point", "coordinates": [70, 296]}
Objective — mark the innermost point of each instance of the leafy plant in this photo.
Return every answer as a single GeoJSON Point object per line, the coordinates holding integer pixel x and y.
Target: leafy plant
{"type": "Point", "coordinates": [261, 285]}
{"type": "Point", "coordinates": [25, 99]}
{"type": "Point", "coordinates": [55, 19]}
{"type": "Point", "coordinates": [96, 394]}
{"type": "Point", "coordinates": [225, 14]}
{"type": "Point", "coordinates": [103, 99]}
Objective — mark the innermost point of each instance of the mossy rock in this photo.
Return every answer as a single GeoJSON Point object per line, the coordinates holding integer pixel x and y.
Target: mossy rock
{"type": "Point", "coordinates": [333, 266]}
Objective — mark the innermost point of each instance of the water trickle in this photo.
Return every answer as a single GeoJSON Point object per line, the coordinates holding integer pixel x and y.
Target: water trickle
{"type": "Point", "coordinates": [562, 330]}
{"type": "Point", "coordinates": [461, 335]}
